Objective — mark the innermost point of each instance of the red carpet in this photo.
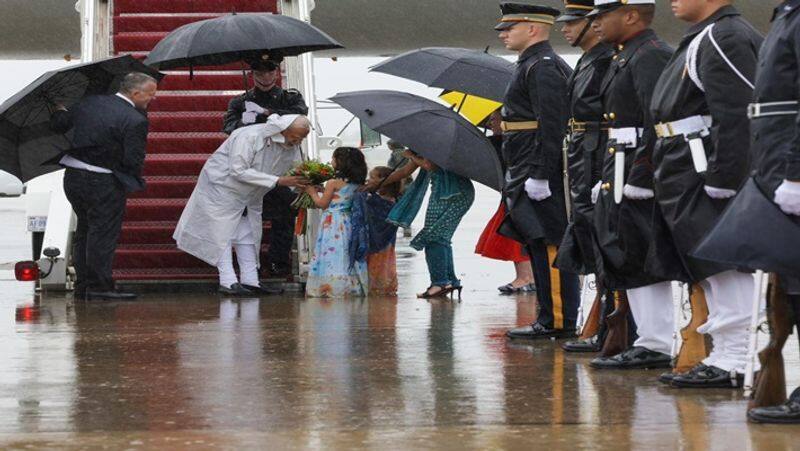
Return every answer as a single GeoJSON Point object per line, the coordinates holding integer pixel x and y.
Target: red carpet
{"type": "Point", "coordinates": [185, 127]}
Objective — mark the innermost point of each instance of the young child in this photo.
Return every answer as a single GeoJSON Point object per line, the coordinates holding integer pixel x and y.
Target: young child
{"type": "Point", "coordinates": [381, 259]}
{"type": "Point", "coordinates": [331, 273]}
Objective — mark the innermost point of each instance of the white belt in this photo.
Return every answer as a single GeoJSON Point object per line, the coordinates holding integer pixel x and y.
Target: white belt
{"type": "Point", "coordinates": [626, 137]}
{"type": "Point", "coordinates": [688, 126]}
{"type": "Point", "coordinates": [785, 108]}
{"type": "Point", "coordinates": [693, 129]}
{"type": "Point", "coordinates": [74, 163]}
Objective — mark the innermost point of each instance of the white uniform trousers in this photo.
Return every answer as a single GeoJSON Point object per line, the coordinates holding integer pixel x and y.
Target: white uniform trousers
{"type": "Point", "coordinates": [729, 297]}
{"type": "Point", "coordinates": [652, 309]}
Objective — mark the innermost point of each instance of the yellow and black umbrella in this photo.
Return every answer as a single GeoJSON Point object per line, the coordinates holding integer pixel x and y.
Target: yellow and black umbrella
{"type": "Point", "coordinates": [475, 109]}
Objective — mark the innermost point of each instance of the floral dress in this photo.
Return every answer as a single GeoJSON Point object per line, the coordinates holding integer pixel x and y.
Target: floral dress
{"type": "Point", "coordinates": [331, 274]}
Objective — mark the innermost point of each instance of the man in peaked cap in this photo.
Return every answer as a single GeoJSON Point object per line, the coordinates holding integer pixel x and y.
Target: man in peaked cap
{"type": "Point", "coordinates": [534, 117]}
{"type": "Point", "coordinates": [624, 209]}
{"type": "Point", "coordinates": [585, 148]}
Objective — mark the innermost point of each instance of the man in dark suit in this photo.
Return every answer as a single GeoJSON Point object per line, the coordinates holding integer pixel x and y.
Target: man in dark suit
{"type": "Point", "coordinates": [253, 107]}
{"type": "Point", "coordinates": [108, 135]}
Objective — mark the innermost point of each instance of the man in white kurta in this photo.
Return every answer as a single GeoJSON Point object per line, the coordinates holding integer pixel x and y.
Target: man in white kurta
{"type": "Point", "coordinates": [224, 210]}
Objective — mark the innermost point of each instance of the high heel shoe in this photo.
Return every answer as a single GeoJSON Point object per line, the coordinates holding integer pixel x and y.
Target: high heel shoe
{"type": "Point", "coordinates": [443, 291]}
{"type": "Point", "coordinates": [453, 290]}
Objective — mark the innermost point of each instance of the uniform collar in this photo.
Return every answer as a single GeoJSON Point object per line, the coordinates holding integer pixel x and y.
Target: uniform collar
{"type": "Point", "coordinates": [784, 8]}
{"type": "Point", "coordinates": [595, 52]}
{"type": "Point", "coordinates": [535, 49]}
{"type": "Point", "coordinates": [627, 49]}
{"type": "Point", "coordinates": [725, 11]}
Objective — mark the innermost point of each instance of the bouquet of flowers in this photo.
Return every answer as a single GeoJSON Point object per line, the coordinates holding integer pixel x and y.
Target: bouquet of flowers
{"type": "Point", "coordinates": [317, 173]}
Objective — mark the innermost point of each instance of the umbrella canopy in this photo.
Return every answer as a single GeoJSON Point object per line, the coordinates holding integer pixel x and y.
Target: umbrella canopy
{"type": "Point", "coordinates": [26, 141]}
{"type": "Point", "coordinates": [430, 129]}
{"type": "Point", "coordinates": [469, 71]}
{"type": "Point", "coordinates": [237, 37]}
{"type": "Point", "coordinates": [475, 109]}
{"type": "Point", "coordinates": [753, 233]}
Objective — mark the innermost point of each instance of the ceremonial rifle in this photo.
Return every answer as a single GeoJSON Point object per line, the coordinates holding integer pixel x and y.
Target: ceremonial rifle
{"type": "Point", "coordinates": [694, 347]}
{"type": "Point", "coordinates": [770, 388]}
{"type": "Point", "coordinates": [591, 326]}
{"type": "Point", "coordinates": [617, 326]}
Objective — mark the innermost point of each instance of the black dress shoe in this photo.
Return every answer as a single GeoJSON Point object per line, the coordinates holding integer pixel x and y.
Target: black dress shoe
{"type": "Point", "coordinates": [632, 358]}
{"type": "Point", "coordinates": [262, 289]}
{"type": "Point", "coordinates": [786, 413]}
{"type": "Point", "coordinates": [704, 376]}
{"type": "Point", "coordinates": [666, 378]}
{"type": "Point", "coordinates": [110, 296]}
{"type": "Point", "coordinates": [537, 331]}
{"type": "Point", "coordinates": [511, 289]}
{"type": "Point", "coordinates": [591, 344]}
{"type": "Point", "coordinates": [235, 290]}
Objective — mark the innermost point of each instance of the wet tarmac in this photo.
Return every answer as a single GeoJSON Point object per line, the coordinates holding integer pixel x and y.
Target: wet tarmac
{"type": "Point", "coordinates": [196, 371]}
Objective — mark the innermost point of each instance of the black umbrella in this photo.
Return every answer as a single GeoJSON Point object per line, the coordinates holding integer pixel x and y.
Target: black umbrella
{"type": "Point", "coordinates": [26, 141]}
{"type": "Point", "coordinates": [430, 129]}
{"type": "Point", "coordinates": [454, 69]}
{"type": "Point", "coordinates": [753, 233]}
{"type": "Point", "coordinates": [237, 37]}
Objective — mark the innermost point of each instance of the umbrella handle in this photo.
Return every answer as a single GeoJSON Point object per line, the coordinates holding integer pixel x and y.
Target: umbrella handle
{"type": "Point", "coordinates": [244, 74]}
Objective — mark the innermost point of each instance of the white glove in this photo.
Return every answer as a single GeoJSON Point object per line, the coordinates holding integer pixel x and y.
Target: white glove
{"type": "Point", "coordinates": [537, 189]}
{"type": "Point", "coordinates": [787, 196]}
{"type": "Point", "coordinates": [636, 193]}
{"type": "Point", "coordinates": [249, 117]}
{"type": "Point", "coordinates": [252, 106]}
{"type": "Point", "coordinates": [596, 192]}
{"type": "Point", "coordinates": [719, 193]}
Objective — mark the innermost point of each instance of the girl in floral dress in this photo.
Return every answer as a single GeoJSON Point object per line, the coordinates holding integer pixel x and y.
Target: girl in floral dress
{"type": "Point", "coordinates": [331, 273]}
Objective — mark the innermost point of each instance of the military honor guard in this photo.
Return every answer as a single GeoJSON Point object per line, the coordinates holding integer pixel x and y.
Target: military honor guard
{"type": "Point", "coordinates": [701, 159]}
{"type": "Point", "coordinates": [760, 228]}
{"type": "Point", "coordinates": [535, 114]}
{"type": "Point", "coordinates": [585, 147]}
{"type": "Point", "coordinates": [625, 199]}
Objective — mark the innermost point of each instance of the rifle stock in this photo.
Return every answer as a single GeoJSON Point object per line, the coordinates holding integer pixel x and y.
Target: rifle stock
{"type": "Point", "coordinates": [617, 326]}
{"type": "Point", "coordinates": [592, 325]}
{"type": "Point", "coordinates": [694, 346]}
{"type": "Point", "coordinates": [770, 387]}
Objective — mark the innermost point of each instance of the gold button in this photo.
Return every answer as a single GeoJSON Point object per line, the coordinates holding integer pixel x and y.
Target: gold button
{"type": "Point", "coordinates": [605, 116]}
{"type": "Point", "coordinates": [611, 150]}
{"type": "Point", "coordinates": [612, 116]}
{"type": "Point", "coordinates": [606, 186]}
{"type": "Point", "coordinates": [615, 57]}
{"type": "Point", "coordinates": [621, 47]}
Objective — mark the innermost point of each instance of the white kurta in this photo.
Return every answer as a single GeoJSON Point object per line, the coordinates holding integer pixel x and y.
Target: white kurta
{"type": "Point", "coordinates": [236, 177]}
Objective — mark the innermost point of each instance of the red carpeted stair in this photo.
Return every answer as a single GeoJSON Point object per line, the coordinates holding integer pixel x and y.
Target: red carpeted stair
{"type": "Point", "coordinates": [185, 128]}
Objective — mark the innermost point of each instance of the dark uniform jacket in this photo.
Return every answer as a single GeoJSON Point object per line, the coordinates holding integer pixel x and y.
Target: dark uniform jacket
{"type": "Point", "coordinates": [623, 231]}
{"type": "Point", "coordinates": [537, 92]}
{"type": "Point", "coordinates": [277, 100]}
{"type": "Point", "coordinates": [688, 212]}
{"type": "Point", "coordinates": [585, 157]}
{"type": "Point", "coordinates": [776, 139]}
{"type": "Point", "coordinates": [108, 132]}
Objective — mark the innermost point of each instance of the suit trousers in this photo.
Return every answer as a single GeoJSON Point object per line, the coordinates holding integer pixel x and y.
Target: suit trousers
{"type": "Point", "coordinates": [558, 292]}
{"type": "Point", "coordinates": [98, 201]}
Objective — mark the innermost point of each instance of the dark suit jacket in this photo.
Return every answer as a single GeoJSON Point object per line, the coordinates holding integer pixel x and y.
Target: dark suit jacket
{"type": "Point", "coordinates": [108, 132]}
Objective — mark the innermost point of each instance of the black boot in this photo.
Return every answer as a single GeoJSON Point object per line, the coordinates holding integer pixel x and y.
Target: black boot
{"type": "Point", "coordinates": [633, 358]}
{"type": "Point", "coordinates": [538, 331]}
{"type": "Point", "coordinates": [704, 376]}
{"type": "Point", "coordinates": [786, 413]}
{"type": "Point", "coordinates": [591, 344]}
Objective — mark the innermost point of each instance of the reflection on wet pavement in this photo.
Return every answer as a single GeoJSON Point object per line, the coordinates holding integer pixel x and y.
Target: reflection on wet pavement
{"type": "Point", "coordinates": [202, 372]}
